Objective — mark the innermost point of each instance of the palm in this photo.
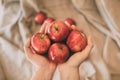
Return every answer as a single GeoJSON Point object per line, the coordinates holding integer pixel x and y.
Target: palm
{"type": "Point", "coordinates": [39, 60]}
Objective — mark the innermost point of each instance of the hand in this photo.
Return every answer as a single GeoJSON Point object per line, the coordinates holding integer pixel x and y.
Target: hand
{"type": "Point", "coordinates": [70, 69]}
{"type": "Point", "coordinates": [44, 68]}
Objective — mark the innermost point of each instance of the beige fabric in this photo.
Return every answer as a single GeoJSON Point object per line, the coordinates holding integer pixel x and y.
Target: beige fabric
{"type": "Point", "coordinates": [99, 18]}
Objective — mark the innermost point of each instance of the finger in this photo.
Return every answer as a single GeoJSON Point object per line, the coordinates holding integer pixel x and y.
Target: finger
{"type": "Point", "coordinates": [47, 27]}
{"type": "Point", "coordinates": [42, 29]}
{"type": "Point", "coordinates": [73, 27]}
{"type": "Point", "coordinates": [28, 51]}
{"type": "Point", "coordinates": [79, 57]}
{"type": "Point", "coordinates": [88, 48]}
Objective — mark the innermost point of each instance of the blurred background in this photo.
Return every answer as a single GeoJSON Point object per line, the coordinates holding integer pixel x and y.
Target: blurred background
{"type": "Point", "coordinates": [99, 18]}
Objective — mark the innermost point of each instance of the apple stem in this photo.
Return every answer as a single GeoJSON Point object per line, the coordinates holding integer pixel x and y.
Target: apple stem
{"type": "Point", "coordinates": [61, 47]}
{"type": "Point", "coordinates": [56, 28]}
{"type": "Point", "coordinates": [41, 37]}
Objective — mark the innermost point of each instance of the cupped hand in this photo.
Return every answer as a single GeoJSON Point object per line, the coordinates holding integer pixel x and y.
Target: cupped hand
{"type": "Point", "coordinates": [44, 68]}
{"type": "Point", "coordinates": [35, 59]}
{"type": "Point", "coordinates": [70, 69]}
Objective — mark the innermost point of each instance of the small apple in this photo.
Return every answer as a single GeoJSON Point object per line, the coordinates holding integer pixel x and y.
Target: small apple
{"type": "Point", "coordinates": [69, 22]}
{"type": "Point", "coordinates": [40, 43]}
{"type": "Point", "coordinates": [40, 17]}
{"type": "Point", "coordinates": [49, 19]}
{"type": "Point", "coordinates": [58, 52]}
{"type": "Point", "coordinates": [76, 41]}
{"type": "Point", "coordinates": [44, 28]}
{"type": "Point", "coordinates": [58, 31]}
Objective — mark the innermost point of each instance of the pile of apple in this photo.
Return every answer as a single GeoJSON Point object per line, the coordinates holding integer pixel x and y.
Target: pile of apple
{"type": "Point", "coordinates": [57, 39]}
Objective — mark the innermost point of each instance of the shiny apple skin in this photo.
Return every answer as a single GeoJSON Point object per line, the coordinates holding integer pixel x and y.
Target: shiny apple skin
{"type": "Point", "coordinates": [69, 21]}
{"type": "Point", "coordinates": [58, 53]}
{"type": "Point", "coordinates": [76, 41]}
{"type": "Point", "coordinates": [58, 31]}
{"type": "Point", "coordinates": [40, 43]}
{"type": "Point", "coordinates": [40, 17]}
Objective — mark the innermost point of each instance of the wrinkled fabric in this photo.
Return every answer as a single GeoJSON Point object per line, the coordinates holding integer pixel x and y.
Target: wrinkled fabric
{"type": "Point", "coordinates": [98, 18]}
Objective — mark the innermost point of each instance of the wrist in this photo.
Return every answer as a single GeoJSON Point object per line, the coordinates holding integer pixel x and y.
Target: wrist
{"type": "Point", "coordinates": [44, 73]}
{"type": "Point", "coordinates": [69, 73]}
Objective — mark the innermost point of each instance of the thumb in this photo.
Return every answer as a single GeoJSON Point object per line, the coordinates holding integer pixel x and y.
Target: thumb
{"type": "Point", "coordinates": [79, 57]}
{"type": "Point", "coordinates": [27, 49]}
{"type": "Point", "coordinates": [33, 57]}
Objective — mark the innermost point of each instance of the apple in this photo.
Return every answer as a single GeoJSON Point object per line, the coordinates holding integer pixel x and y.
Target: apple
{"type": "Point", "coordinates": [76, 41]}
{"type": "Point", "coordinates": [58, 52]}
{"type": "Point", "coordinates": [40, 43]}
{"type": "Point", "coordinates": [69, 21]}
{"type": "Point", "coordinates": [44, 28]}
{"type": "Point", "coordinates": [49, 19]}
{"type": "Point", "coordinates": [58, 31]}
{"type": "Point", "coordinates": [40, 17]}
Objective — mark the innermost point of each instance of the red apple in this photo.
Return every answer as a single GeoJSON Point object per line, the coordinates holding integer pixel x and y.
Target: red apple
{"type": "Point", "coordinates": [49, 19]}
{"type": "Point", "coordinates": [69, 22]}
{"type": "Point", "coordinates": [44, 28]}
{"type": "Point", "coordinates": [40, 43]}
{"type": "Point", "coordinates": [58, 31]}
{"type": "Point", "coordinates": [58, 52]}
{"type": "Point", "coordinates": [76, 41]}
{"type": "Point", "coordinates": [40, 17]}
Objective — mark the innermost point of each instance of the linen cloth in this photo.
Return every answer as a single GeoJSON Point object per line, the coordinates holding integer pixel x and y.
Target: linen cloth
{"type": "Point", "coordinates": [99, 18]}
